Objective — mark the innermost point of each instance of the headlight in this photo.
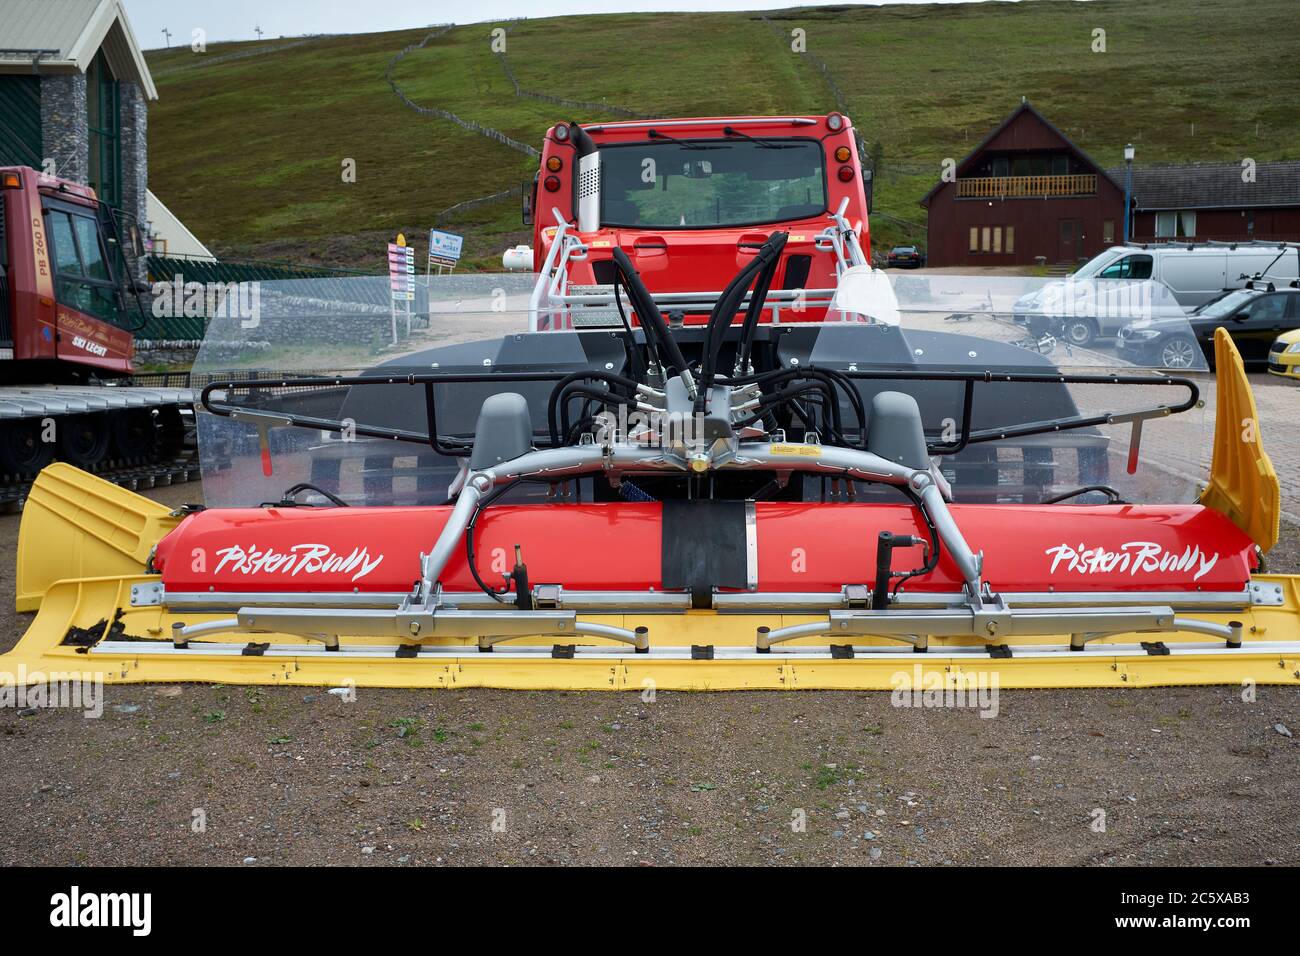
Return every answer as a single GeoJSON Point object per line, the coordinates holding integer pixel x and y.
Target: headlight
{"type": "Point", "coordinates": [1293, 347]}
{"type": "Point", "coordinates": [1142, 335]}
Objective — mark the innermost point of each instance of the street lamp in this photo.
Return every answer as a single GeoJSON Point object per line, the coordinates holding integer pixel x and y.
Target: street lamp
{"type": "Point", "coordinates": [1128, 187]}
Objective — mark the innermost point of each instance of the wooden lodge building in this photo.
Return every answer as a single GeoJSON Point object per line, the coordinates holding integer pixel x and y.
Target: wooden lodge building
{"type": "Point", "coordinates": [1027, 192]}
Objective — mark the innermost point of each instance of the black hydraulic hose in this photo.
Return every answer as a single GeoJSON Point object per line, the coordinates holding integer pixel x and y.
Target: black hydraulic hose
{"type": "Point", "coordinates": [720, 320]}
{"type": "Point", "coordinates": [828, 387]}
{"type": "Point", "coordinates": [629, 339]}
{"type": "Point", "coordinates": [932, 559]}
{"type": "Point", "coordinates": [483, 503]}
{"type": "Point", "coordinates": [651, 319]}
{"type": "Point", "coordinates": [790, 394]}
{"type": "Point", "coordinates": [793, 391]}
{"type": "Point", "coordinates": [1115, 498]}
{"type": "Point", "coordinates": [776, 242]}
{"type": "Point", "coordinates": [833, 375]}
{"type": "Point", "coordinates": [293, 492]}
{"type": "Point", "coordinates": [604, 397]}
{"type": "Point", "coordinates": [855, 399]}
{"type": "Point", "coordinates": [571, 436]}
{"type": "Point", "coordinates": [557, 391]}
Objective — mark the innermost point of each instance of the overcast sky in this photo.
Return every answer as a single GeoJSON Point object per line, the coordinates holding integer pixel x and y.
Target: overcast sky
{"type": "Point", "coordinates": [236, 19]}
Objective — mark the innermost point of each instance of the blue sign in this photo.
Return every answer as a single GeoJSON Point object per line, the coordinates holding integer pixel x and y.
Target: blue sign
{"type": "Point", "coordinates": [445, 246]}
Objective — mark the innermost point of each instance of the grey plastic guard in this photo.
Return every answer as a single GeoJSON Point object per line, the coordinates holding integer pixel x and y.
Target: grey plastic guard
{"type": "Point", "coordinates": [895, 432]}
{"type": "Point", "coordinates": [504, 430]}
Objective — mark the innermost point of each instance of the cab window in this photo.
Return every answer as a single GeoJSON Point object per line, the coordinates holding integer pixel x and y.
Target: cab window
{"type": "Point", "coordinates": [1130, 267]}
{"type": "Point", "coordinates": [83, 281]}
{"type": "Point", "coordinates": [92, 255]}
{"type": "Point", "coordinates": [66, 260]}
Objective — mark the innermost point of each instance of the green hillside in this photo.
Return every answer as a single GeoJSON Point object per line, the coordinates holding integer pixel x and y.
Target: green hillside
{"type": "Point", "coordinates": [248, 150]}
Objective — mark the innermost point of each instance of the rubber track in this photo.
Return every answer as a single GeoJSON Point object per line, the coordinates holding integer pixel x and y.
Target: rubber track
{"type": "Point", "coordinates": [175, 471]}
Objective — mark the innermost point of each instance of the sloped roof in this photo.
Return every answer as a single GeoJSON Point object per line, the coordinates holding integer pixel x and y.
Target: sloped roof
{"type": "Point", "coordinates": [1024, 107]}
{"type": "Point", "coordinates": [1213, 186]}
{"type": "Point", "coordinates": [72, 31]}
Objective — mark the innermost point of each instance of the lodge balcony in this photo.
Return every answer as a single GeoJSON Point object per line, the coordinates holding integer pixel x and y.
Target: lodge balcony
{"type": "Point", "coordinates": [1027, 187]}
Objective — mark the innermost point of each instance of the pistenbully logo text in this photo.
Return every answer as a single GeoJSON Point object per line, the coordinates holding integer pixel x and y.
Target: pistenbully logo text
{"type": "Point", "coordinates": [1133, 557]}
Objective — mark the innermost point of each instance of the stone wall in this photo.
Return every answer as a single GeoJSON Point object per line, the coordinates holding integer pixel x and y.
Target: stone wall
{"type": "Point", "coordinates": [135, 168]}
{"type": "Point", "coordinates": [65, 131]}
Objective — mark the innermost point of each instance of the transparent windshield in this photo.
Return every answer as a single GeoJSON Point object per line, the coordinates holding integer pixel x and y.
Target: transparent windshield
{"type": "Point", "coordinates": [716, 182]}
{"type": "Point", "coordinates": [1225, 304]}
{"type": "Point", "coordinates": [1016, 337]}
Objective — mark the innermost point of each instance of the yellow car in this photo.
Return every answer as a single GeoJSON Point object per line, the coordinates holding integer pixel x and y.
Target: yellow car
{"type": "Point", "coordinates": [1284, 356]}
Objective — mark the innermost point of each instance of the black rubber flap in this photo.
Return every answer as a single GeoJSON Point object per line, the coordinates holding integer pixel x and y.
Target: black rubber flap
{"type": "Point", "coordinates": [704, 545]}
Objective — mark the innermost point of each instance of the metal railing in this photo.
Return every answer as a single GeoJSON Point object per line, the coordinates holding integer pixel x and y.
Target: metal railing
{"type": "Point", "coordinates": [1017, 187]}
{"type": "Point", "coordinates": [553, 306]}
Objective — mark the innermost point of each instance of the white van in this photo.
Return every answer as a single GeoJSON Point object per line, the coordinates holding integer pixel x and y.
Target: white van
{"type": "Point", "coordinates": [1197, 272]}
{"type": "Point", "coordinates": [1192, 274]}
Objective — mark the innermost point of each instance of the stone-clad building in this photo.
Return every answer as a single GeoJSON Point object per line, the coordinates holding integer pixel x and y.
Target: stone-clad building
{"type": "Point", "coordinates": [74, 92]}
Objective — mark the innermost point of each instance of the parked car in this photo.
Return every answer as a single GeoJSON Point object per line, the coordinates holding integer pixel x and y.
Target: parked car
{"type": "Point", "coordinates": [1253, 317]}
{"type": "Point", "coordinates": [1193, 274]}
{"type": "Point", "coordinates": [1081, 311]}
{"type": "Point", "coordinates": [905, 257]}
{"type": "Point", "coordinates": [1284, 356]}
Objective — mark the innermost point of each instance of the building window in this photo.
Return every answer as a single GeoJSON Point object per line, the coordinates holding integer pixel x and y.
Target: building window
{"type": "Point", "coordinates": [1178, 224]}
{"type": "Point", "coordinates": [1108, 231]}
{"type": "Point", "coordinates": [992, 240]}
{"type": "Point", "coordinates": [103, 115]}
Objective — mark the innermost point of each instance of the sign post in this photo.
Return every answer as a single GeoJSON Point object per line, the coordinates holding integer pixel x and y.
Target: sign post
{"type": "Point", "coordinates": [401, 280]}
{"type": "Point", "coordinates": [444, 251]}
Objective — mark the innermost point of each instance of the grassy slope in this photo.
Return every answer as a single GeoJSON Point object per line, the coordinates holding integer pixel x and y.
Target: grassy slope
{"type": "Point", "coordinates": [248, 151]}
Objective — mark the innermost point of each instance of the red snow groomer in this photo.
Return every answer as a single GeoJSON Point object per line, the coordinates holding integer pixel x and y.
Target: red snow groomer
{"type": "Point", "coordinates": [647, 466]}
{"type": "Point", "coordinates": [691, 201]}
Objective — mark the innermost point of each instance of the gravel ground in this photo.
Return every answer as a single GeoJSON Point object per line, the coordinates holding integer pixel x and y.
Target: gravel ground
{"type": "Point", "coordinates": [279, 776]}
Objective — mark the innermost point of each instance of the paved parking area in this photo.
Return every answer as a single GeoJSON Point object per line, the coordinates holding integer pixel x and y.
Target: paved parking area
{"type": "Point", "coordinates": [1178, 447]}
{"type": "Point", "coordinates": [1278, 403]}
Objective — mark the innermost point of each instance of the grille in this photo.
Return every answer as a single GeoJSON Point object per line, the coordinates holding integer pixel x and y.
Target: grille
{"type": "Point", "coordinates": [588, 182]}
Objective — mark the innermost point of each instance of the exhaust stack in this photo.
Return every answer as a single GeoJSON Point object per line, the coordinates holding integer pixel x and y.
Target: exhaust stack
{"type": "Point", "coordinates": [587, 186]}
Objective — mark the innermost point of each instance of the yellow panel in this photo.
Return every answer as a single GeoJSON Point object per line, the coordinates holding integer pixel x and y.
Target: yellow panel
{"type": "Point", "coordinates": [76, 525]}
{"type": "Point", "coordinates": [1243, 484]}
{"type": "Point", "coordinates": [1270, 654]}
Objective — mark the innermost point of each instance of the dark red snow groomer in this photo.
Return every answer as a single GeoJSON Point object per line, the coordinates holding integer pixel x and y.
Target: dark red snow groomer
{"type": "Point", "coordinates": [690, 201]}
{"type": "Point", "coordinates": [68, 307]}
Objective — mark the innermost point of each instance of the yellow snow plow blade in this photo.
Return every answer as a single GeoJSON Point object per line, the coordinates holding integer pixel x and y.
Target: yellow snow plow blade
{"type": "Point", "coordinates": [77, 525]}
{"type": "Point", "coordinates": [1243, 483]}
{"type": "Point", "coordinates": [89, 628]}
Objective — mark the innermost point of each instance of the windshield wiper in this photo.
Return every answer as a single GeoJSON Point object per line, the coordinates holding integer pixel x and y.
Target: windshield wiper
{"type": "Point", "coordinates": [762, 143]}
{"type": "Point", "coordinates": [655, 134]}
